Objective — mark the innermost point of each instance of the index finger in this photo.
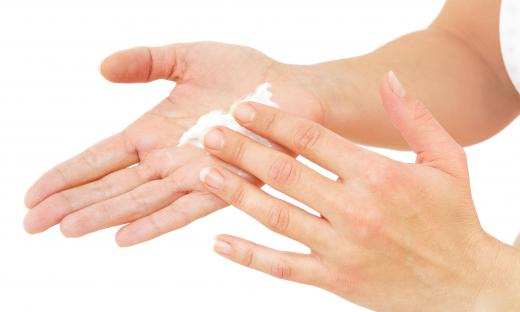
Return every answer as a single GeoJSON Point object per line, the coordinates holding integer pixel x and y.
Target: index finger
{"type": "Point", "coordinates": [107, 156]}
{"type": "Point", "coordinates": [304, 137]}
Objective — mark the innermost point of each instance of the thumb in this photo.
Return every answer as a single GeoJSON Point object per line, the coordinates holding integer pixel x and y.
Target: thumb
{"type": "Point", "coordinates": [145, 64]}
{"type": "Point", "coordinates": [425, 136]}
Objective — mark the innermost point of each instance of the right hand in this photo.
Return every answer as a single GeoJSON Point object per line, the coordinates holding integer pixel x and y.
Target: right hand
{"type": "Point", "coordinates": [101, 187]}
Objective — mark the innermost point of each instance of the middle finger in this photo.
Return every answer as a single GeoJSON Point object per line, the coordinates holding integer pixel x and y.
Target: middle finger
{"type": "Point", "coordinates": [279, 170]}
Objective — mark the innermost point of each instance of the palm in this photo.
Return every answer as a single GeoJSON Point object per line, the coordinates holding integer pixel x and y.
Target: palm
{"type": "Point", "coordinates": [100, 187]}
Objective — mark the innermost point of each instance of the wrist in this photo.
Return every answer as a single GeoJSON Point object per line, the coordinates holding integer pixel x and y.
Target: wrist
{"type": "Point", "coordinates": [331, 84]}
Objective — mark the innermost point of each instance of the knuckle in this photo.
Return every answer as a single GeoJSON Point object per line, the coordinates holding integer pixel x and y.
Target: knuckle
{"type": "Point", "coordinates": [345, 282]}
{"type": "Point", "coordinates": [139, 199]}
{"type": "Point", "coordinates": [278, 219]}
{"type": "Point", "coordinates": [106, 211]}
{"type": "Point", "coordinates": [61, 172]}
{"type": "Point", "coordinates": [420, 112]}
{"type": "Point", "coordinates": [89, 158]}
{"type": "Point", "coordinates": [66, 201]}
{"type": "Point", "coordinates": [107, 189]}
{"type": "Point", "coordinates": [281, 269]}
{"type": "Point", "coordinates": [284, 171]}
{"type": "Point", "coordinates": [382, 176]}
{"type": "Point", "coordinates": [171, 184]}
{"type": "Point", "coordinates": [367, 224]}
{"type": "Point", "coordinates": [269, 122]}
{"type": "Point", "coordinates": [364, 219]}
{"type": "Point", "coordinates": [150, 64]}
{"type": "Point", "coordinates": [239, 150]}
{"type": "Point", "coordinates": [155, 225]}
{"type": "Point", "coordinates": [181, 217]}
{"type": "Point", "coordinates": [237, 196]}
{"type": "Point", "coordinates": [247, 258]}
{"type": "Point", "coordinates": [145, 172]}
{"type": "Point", "coordinates": [306, 137]}
{"type": "Point", "coordinates": [156, 164]}
{"type": "Point", "coordinates": [126, 140]}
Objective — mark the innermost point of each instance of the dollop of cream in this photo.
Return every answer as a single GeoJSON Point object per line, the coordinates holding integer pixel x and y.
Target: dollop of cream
{"type": "Point", "coordinates": [195, 134]}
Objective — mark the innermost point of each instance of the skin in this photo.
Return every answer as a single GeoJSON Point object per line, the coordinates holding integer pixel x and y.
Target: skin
{"type": "Point", "coordinates": [139, 178]}
{"type": "Point", "coordinates": [455, 66]}
{"type": "Point", "coordinates": [390, 236]}
{"type": "Point", "coordinates": [96, 189]}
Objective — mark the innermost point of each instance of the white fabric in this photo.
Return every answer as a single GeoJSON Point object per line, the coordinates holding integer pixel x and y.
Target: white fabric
{"type": "Point", "coordinates": [510, 38]}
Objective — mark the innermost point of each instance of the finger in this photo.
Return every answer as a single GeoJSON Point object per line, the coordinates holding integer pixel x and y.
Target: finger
{"type": "Point", "coordinates": [53, 209]}
{"type": "Point", "coordinates": [184, 210]}
{"type": "Point", "coordinates": [137, 203]}
{"type": "Point", "coordinates": [180, 213]}
{"type": "Point", "coordinates": [144, 64]}
{"type": "Point", "coordinates": [423, 133]}
{"type": "Point", "coordinates": [272, 167]}
{"type": "Point", "coordinates": [290, 266]}
{"type": "Point", "coordinates": [111, 154]}
{"type": "Point", "coordinates": [517, 242]}
{"type": "Point", "coordinates": [303, 137]}
{"type": "Point", "coordinates": [277, 215]}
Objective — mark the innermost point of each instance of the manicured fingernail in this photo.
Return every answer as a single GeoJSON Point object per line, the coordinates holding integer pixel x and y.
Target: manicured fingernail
{"type": "Point", "coordinates": [214, 139]}
{"type": "Point", "coordinates": [222, 247]}
{"type": "Point", "coordinates": [244, 112]}
{"type": "Point", "coordinates": [211, 177]}
{"type": "Point", "coordinates": [396, 85]}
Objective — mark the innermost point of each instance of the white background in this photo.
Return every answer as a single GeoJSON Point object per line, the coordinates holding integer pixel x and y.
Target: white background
{"type": "Point", "coordinates": [54, 103]}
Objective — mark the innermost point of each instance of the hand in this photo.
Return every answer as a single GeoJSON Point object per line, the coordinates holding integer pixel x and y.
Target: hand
{"type": "Point", "coordinates": [101, 188]}
{"type": "Point", "coordinates": [390, 235]}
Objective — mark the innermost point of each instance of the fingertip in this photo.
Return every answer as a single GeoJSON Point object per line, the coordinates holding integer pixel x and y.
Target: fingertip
{"type": "Point", "coordinates": [122, 239]}
{"type": "Point", "coordinates": [122, 242]}
{"type": "Point", "coordinates": [29, 224]}
{"type": "Point", "coordinates": [46, 185]}
{"type": "Point", "coordinates": [131, 235]}
{"type": "Point", "coordinates": [395, 84]}
{"type": "Point", "coordinates": [38, 220]}
{"type": "Point", "coordinates": [33, 196]}
{"type": "Point", "coordinates": [70, 227]}
{"type": "Point", "coordinates": [29, 200]}
{"type": "Point", "coordinates": [103, 69]}
{"type": "Point", "coordinates": [243, 112]}
{"type": "Point", "coordinates": [109, 67]}
{"type": "Point", "coordinates": [220, 237]}
{"type": "Point", "coordinates": [222, 246]}
{"type": "Point", "coordinates": [212, 177]}
{"type": "Point", "coordinates": [385, 89]}
{"type": "Point", "coordinates": [392, 97]}
{"type": "Point", "coordinates": [226, 237]}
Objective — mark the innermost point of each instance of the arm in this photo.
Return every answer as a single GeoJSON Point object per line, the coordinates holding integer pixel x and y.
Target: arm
{"type": "Point", "coordinates": [455, 65]}
{"type": "Point", "coordinates": [141, 179]}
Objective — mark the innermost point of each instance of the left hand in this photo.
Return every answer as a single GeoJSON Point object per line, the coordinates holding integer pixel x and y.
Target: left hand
{"type": "Point", "coordinates": [391, 235]}
{"type": "Point", "coordinates": [138, 177]}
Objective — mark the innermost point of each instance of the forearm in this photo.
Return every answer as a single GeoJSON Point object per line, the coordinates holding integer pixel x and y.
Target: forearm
{"type": "Point", "coordinates": [466, 95]}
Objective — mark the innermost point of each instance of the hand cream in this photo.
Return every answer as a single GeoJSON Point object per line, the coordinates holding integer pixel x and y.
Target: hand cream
{"type": "Point", "coordinates": [195, 134]}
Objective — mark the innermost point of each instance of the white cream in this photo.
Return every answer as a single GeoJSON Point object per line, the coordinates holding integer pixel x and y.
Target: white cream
{"type": "Point", "coordinates": [195, 134]}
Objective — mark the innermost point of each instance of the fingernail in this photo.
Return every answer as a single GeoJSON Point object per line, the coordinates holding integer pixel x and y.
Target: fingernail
{"type": "Point", "coordinates": [214, 139]}
{"type": "Point", "coordinates": [244, 112]}
{"type": "Point", "coordinates": [211, 177]}
{"type": "Point", "coordinates": [396, 85]}
{"type": "Point", "coordinates": [222, 247]}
